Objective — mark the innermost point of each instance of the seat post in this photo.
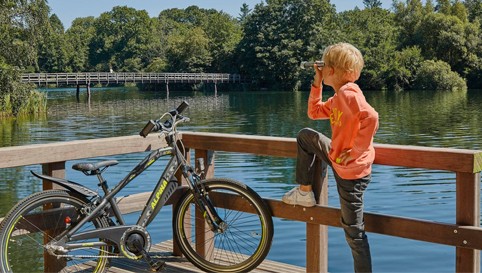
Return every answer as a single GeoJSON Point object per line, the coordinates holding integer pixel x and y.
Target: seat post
{"type": "Point", "coordinates": [102, 182]}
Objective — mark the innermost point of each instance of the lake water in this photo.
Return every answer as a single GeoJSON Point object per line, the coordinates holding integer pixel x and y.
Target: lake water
{"type": "Point", "coordinates": [423, 118]}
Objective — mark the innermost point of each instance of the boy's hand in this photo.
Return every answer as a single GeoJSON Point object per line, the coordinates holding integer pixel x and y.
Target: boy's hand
{"type": "Point", "coordinates": [318, 76]}
{"type": "Point", "coordinates": [344, 157]}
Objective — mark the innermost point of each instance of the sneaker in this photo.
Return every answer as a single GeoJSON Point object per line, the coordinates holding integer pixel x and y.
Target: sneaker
{"type": "Point", "coordinates": [294, 197]}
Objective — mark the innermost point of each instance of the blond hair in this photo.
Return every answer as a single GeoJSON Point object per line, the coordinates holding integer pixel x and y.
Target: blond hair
{"type": "Point", "coordinates": [346, 58]}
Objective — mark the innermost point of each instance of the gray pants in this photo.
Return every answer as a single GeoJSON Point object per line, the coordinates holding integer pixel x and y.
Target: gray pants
{"type": "Point", "coordinates": [313, 144]}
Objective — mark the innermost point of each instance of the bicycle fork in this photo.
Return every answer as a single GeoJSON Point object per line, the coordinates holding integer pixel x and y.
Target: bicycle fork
{"type": "Point", "coordinates": [216, 224]}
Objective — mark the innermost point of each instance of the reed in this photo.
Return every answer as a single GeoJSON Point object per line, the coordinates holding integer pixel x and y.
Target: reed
{"type": "Point", "coordinates": [34, 103]}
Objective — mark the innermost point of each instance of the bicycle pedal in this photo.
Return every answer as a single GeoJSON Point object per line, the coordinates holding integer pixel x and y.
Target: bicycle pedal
{"type": "Point", "coordinates": [154, 265]}
{"type": "Point", "coordinates": [157, 266]}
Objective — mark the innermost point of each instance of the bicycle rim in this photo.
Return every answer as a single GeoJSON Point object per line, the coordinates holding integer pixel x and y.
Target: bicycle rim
{"type": "Point", "coordinates": [245, 242]}
{"type": "Point", "coordinates": [36, 221]}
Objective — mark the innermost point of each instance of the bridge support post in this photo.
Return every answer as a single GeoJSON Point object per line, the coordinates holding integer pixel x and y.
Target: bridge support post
{"type": "Point", "coordinates": [77, 94]}
{"type": "Point", "coordinates": [167, 89]}
{"type": "Point", "coordinates": [88, 92]}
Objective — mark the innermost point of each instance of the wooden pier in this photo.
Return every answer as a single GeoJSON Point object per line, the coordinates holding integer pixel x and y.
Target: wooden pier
{"type": "Point", "coordinates": [464, 234]}
{"type": "Point", "coordinates": [178, 264]}
{"type": "Point", "coordinates": [88, 78]}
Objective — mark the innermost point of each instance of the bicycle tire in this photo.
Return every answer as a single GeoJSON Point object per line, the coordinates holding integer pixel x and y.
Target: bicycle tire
{"type": "Point", "coordinates": [35, 221]}
{"type": "Point", "coordinates": [242, 246]}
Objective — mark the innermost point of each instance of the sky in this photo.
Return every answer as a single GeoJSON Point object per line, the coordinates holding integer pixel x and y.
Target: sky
{"type": "Point", "coordinates": [68, 10]}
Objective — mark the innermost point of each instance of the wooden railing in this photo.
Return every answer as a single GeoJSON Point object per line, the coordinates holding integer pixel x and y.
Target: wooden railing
{"type": "Point", "coordinates": [127, 77]}
{"type": "Point", "coordinates": [465, 234]}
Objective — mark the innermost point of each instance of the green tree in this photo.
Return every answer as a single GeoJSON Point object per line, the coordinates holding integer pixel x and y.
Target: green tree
{"type": "Point", "coordinates": [214, 33]}
{"type": "Point", "coordinates": [460, 11]}
{"type": "Point", "coordinates": [188, 50]}
{"type": "Point", "coordinates": [244, 12]}
{"type": "Point", "coordinates": [437, 75]}
{"type": "Point", "coordinates": [408, 17]}
{"type": "Point", "coordinates": [121, 35]}
{"type": "Point", "coordinates": [474, 7]}
{"type": "Point", "coordinates": [369, 4]}
{"type": "Point", "coordinates": [429, 7]}
{"type": "Point", "coordinates": [448, 38]}
{"type": "Point", "coordinates": [22, 26]}
{"type": "Point", "coordinates": [53, 50]}
{"type": "Point", "coordinates": [18, 98]}
{"type": "Point", "coordinates": [444, 7]}
{"type": "Point", "coordinates": [402, 69]}
{"type": "Point", "coordinates": [280, 34]}
{"type": "Point", "coordinates": [79, 37]}
{"type": "Point", "coordinates": [224, 34]}
{"type": "Point", "coordinates": [373, 31]}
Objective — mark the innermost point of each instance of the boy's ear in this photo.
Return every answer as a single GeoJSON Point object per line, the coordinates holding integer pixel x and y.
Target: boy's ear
{"type": "Point", "coordinates": [332, 70]}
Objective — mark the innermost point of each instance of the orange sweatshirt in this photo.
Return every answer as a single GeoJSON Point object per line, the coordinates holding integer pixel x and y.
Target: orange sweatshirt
{"type": "Point", "coordinates": [353, 122]}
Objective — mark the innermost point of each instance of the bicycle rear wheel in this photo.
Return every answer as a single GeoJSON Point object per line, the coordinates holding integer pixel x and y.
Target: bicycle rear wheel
{"type": "Point", "coordinates": [247, 237]}
{"type": "Point", "coordinates": [37, 220]}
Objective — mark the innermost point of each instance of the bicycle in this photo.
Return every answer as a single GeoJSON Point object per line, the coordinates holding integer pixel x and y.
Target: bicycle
{"type": "Point", "coordinates": [77, 229]}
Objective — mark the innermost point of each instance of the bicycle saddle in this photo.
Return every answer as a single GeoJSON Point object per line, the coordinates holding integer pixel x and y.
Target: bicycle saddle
{"type": "Point", "coordinates": [93, 167]}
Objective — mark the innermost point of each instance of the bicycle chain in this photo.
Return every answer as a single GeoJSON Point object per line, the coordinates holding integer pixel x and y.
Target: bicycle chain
{"type": "Point", "coordinates": [87, 256]}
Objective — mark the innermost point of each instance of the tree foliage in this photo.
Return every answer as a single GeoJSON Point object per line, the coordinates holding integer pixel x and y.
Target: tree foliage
{"type": "Point", "coordinates": [374, 33]}
{"type": "Point", "coordinates": [278, 35]}
{"type": "Point", "coordinates": [22, 24]}
{"type": "Point", "coordinates": [437, 75]}
{"type": "Point", "coordinates": [265, 43]}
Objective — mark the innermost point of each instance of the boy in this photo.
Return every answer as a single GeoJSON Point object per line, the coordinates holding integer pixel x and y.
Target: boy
{"type": "Point", "coordinates": [350, 152]}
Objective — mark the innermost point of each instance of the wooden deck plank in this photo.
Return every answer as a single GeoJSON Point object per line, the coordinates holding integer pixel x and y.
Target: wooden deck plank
{"type": "Point", "coordinates": [176, 264]}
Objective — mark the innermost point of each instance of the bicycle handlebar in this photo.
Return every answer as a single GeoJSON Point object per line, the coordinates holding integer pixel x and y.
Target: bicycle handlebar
{"type": "Point", "coordinates": [156, 125]}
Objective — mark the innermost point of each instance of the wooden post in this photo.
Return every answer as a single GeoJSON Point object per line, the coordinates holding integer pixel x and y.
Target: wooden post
{"type": "Point", "coordinates": [167, 89]}
{"type": "Point", "coordinates": [317, 235]}
{"type": "Point", "coordinates": [77, 94]}
{"type": "Point", "coordinates": [56, 169]}
{"type": "Point", "coordinates": [468, 214]}
{"type": "Point", "coordinates": [203, 234]}
{"type": "Point", "coordinates": [88, 92]}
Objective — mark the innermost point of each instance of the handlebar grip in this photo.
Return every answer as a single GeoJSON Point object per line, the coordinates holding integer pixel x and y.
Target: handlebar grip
{"type": "Point", "coordinates": [182, 107]}
{"type": "Point", "coordinates": [155, 125]}
{"type": "Point", "coordinates": [150, 127]}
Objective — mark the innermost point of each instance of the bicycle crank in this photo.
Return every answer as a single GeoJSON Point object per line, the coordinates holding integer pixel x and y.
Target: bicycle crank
{"type": "Point", "coordinates": [135, 243]}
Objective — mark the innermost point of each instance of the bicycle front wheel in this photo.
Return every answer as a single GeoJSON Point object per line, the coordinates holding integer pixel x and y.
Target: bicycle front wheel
{"type": "Point", "coordinates": [246, 237]}
{"type": "Point", "coordinates": [36, 221]}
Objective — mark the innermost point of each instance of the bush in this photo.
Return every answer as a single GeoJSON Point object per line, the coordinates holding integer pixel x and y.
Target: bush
{"type": "Point", "coordinates": [437, 75]}
{"type": "Point", "coordinates": [18, 98]}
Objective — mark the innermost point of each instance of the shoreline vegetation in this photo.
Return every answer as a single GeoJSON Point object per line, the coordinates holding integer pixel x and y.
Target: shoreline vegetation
{"type": "Point", "coordinates": [414, 45]}
{"type": "Point", "coordinates": [19, 99]}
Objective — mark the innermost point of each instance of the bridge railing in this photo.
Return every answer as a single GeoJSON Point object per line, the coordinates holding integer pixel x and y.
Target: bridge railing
{"type": "Point", "coordinates": [126, 77]}
{"type": "Point", "coordinates": [465, 234]}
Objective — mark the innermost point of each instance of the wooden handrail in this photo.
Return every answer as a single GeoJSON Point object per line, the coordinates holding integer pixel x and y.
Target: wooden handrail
{"type": "Point", "coordinates": [465, 234]}
{"type": "Point", "coordinates": [455, 160]}
{"type": "Point", "coordinates": [64, 151]}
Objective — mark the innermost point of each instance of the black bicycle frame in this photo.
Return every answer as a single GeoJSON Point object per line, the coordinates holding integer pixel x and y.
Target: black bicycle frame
{"type": "Point", "coordinates": [164, 189]}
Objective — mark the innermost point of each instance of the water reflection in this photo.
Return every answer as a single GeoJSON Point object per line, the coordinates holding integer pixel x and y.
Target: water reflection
{"type": "Point", "coordinates": [428, 118]}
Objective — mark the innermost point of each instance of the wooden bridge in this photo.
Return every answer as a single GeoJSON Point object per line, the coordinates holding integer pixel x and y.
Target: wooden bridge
{"type": "Point", "coordinates": [87, 78]}
{"type": "Point", "coordinates": [464, 234]}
